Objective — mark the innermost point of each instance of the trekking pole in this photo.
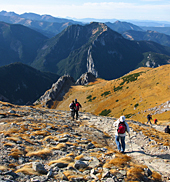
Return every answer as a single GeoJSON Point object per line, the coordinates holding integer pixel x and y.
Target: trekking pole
{"type": "Point", "coordinates": [130, 142]}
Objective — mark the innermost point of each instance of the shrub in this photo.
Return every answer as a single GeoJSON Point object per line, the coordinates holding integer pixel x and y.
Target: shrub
{"type": "Point", "coordinates": [136, 105]}
{"type": "Point", "coordinates": [117, 88]}
{"type": "Point", "coordinates": [106, 93]}
{"type": "Point", "coordinates": [90, 98]}
{"type": "Point", "coordinates": [128, 115]}
{"type": "Point", "coordinates": [130, 78]}
{"type": "Point", "coordinates": [105, 112]}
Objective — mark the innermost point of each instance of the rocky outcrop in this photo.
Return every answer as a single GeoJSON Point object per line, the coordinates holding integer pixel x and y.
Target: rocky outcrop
{"type": "Point", "coordinates": [56, 92]}
{"type": "Point", "coordinates": [85, 79]}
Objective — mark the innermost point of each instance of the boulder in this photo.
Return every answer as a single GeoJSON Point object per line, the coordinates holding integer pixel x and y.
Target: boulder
{"type": "Point", "coordinates": [85, 79]}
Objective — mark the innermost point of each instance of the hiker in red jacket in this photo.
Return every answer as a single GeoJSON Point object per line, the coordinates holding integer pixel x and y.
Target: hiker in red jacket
{"type": "Point", "coordinates": [78, 105]}
{"type": "Point", "coordinates": [121, 128]}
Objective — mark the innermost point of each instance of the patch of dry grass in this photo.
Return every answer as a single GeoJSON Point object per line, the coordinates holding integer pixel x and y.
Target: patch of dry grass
{"type": "Point", "coordinates": [71, 175]}
{"type": "Point", "coordinates": [16, 153]}
{"type": "Point", "coordinates": [156, 176]}
{"type": "Point", "coordinates": [119, 161]}
{"type": "Point", "coordinates": [44, 133]}
{"type": "Point", "coordinates": [59, 146]}
{"type": "Point", "coordinates": [134, 174]}
{"type": "Point", "coordinates": [40, 153]}
{"type": "Point", "coordinates": [65, 160]}
{"type": "Point", "coordinates": [27, 170]}
{"type": "Point", "coordinates": [3, 168]}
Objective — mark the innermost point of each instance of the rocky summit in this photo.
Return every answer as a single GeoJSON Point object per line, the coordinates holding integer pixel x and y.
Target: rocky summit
{"type": "Point", "coordinates": [46, 145]}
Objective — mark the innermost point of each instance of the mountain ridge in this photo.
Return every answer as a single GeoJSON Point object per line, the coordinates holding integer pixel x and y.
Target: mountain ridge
{"type": "Point", "coordinates": [22, 84]}
{"type": "Point", "coordinates": [100, 51]}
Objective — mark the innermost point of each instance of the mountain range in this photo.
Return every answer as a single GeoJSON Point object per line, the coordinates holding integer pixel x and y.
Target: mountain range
{"type": "Point", "coordinates": [45, 24]}
{"type": "Point", "coordinates": [107, 50]}
{"type": "Point", "coordinates": [77, 49]}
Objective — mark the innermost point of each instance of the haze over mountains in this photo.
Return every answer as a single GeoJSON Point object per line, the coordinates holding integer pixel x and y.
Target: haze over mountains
{"type": "Point", "coordinates": [64, 46]}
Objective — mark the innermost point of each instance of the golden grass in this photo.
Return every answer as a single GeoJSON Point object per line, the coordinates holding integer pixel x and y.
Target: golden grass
{"type": "Point", "coordinates": [70, 155]}
{"type": "Point", "coordinates": [27, 170]}
{"type": "Point", "coordinates": [65, 160]}
{"type": "Point", "coordinates": [50, 137]}
{"type": "Point", "coordinates": [135, 174]}
{"type": "Point", "coordinates": [156, 176]}
{"type": "Point", "coordinates": [10, 144]}
{"type": "Point", "coordinates": [3, 168]}
{"type": "Point", "coordinates": [15, 153]}
{"type": "Point", "coordinates": [44, 133]}
{"type": "Point", "coordinates": [70, 174]}
{"type": "Point", "coordinates": [40, 153]}
{"type": "Point", "coordinates": [120, 160]}
{"type": "Point", "coordinates": [79, 157]}
{"type": "Point", "coordinates": [10, 131]}
{"type": "Point", "coordinates": [96, 154]}
{"type": "Point", "coordinates": [15, 139]}
{"type": "Point", "coordinates": [59, 146]}
{"type": "Point", "coordinates": [149, 90]}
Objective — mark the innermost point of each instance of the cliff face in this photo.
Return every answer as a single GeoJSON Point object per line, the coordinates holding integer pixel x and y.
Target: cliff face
{"type": "Point", "coordinates": [56, 92]}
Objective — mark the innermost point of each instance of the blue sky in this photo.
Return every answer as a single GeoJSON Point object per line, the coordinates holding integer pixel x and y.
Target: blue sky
{"type": "Point", "coordinates": [158, 10]}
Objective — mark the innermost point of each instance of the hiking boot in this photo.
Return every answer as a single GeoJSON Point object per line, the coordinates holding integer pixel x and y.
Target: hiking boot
{"type": "Point", "coordinates": [122, 152]}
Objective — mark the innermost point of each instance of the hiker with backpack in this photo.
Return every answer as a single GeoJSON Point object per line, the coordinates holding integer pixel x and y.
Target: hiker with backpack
{"type": "Point", "coordinates": [72, 109]}
{"type": "Point", "coordinates": [78, 105]}
{"type": "Point", "coordinates": [167, 129]}
{"type": "Point", "coordinates": [149, 117]}
{"type": "Point", "coordinates": [122, 128]}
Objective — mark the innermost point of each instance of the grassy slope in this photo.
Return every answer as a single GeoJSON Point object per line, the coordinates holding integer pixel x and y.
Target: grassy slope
{"type": "Point", "coordinates": [150, 89]}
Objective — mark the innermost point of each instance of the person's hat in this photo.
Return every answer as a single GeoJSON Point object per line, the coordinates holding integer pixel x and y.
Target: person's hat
{"type": "Point", "coordinates": [122, 118]}
{"type": "Point", "coordinates": [75, 100]}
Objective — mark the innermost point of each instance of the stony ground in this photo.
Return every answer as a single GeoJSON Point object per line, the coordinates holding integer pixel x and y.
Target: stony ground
{"type": "Point", "coordinates": [46, 145]}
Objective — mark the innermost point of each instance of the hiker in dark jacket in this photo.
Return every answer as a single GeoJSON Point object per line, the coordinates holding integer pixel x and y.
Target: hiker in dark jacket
{"type": "Point", "coordinates": [167, 129]}
{"type": "Point", "coordinates": [72, 109]}
{"type": "Point", "coordinates": [119, 135]}
{"type": "Point", "coordinates": [78, 105]}
{"type": "Point", "coordinates": [149, 117]}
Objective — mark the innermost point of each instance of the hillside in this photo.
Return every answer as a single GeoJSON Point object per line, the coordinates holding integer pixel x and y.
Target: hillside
{"type": "Point", "coordinates": [18, 44]}
{"type": "Point", "coordinates": [93, 48]}
{"type": "Point", "coordinates": [21, 84]}
{"type": "Point", "coordinates": [142, 91]}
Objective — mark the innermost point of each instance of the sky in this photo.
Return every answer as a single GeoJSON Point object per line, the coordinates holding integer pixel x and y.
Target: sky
{"type": "Point", "coordinates": [158, 10]}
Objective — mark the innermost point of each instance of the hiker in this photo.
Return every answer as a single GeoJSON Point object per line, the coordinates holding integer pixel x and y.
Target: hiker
{"type": "Point", "coordinates": [78, 105]}
{"type": "Point", "coordinates": [149, 117]}
{"type": "Point", "coordinates": [167, 129]}
{"type": "Point", "coordinates": [72, 109]}
{"type": "Point", "coordinates": [155, 121]}
{"type": "Point", "coordinates": [122, 128]}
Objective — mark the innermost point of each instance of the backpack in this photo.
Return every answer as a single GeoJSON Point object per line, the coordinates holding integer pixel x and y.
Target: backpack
{"type": "Point", "coordinates": [72, 106]}
{"type": "Point", "coordinates": [122, 128]}
{"type": "Point", "coordinates": [77, 106]}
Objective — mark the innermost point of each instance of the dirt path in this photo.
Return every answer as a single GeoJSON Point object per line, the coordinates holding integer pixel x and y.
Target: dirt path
{"type": "Point", "coordinates": [142, 148]}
